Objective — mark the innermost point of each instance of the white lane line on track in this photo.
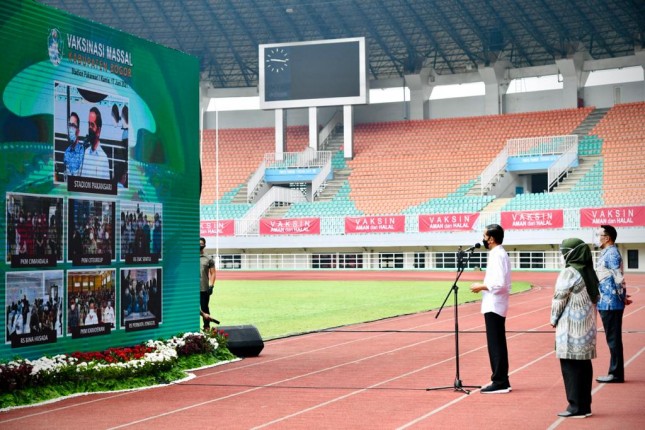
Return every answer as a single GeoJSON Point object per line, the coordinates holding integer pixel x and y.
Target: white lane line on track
{"type": "Point", "coordinates": [188, 407]}
{"type": "Point", "coordinates": [473, 309]}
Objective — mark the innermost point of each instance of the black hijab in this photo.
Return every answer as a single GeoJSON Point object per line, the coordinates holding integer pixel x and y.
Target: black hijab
{"type": "Point", "coordinates": [578, 255]}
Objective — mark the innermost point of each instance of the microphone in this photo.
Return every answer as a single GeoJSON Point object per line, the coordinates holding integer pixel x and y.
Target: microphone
{"type": "Point", "coordinates": [472, 248]}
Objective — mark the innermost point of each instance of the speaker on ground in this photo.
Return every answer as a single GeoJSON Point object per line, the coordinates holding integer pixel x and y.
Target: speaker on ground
{"type": "Point", "coordinates": [243, 340]}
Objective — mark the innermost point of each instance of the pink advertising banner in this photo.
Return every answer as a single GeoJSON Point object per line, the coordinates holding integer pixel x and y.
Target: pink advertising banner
{"type": "Point", "coordinates": [224, 227]}
{"type": "Point", "coordinates": [375, 224]}
{"type": "Point", "coordinates": [447, 222]}
{"type": "Point", "coordinates": [524, 220]}
{"type": "Point", "coordinates": [626, 216]}
{"type": "Point", "coordinates": [270, 226]}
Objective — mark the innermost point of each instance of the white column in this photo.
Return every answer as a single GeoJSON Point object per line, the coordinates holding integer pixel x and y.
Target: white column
{"type": "Point", "coordinates": [496, 84]}
{"type": "Point", "coordinates": [313, 128]}
{"type": "Point", "coordinates": [420, 89]}
{"type": "Point", "coordinates": [348, 131]}
{"type": "Point", "coordinates": [573, 77]}
{"type": "Point", "coordinates": [280, 133]}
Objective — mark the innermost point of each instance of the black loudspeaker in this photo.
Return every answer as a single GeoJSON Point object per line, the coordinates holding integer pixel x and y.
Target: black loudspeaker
{"type": "Point", "coordinates": [243, 340]}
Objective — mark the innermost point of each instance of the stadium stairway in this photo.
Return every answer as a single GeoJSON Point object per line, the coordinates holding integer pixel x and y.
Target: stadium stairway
{"type": "Point", "coordinates": [573, 177]}
{"type": "Point", "coordinates": [496, 205]}
{"type": "Point", "coordinates": [590, 122]}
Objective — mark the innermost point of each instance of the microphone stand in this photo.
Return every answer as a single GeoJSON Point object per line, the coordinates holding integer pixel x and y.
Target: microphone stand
{"type": "Point", "coordinates": [457, 385]}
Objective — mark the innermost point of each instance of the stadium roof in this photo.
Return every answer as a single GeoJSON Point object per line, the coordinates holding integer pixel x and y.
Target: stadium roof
{"type": "Point", "coordinates": [403, 36]}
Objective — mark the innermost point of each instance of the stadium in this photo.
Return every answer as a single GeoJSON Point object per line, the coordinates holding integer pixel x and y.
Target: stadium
{"type": "Point", "coordinates": [435, 170]}
{"type": "Point", "coordinates": [375, 140]}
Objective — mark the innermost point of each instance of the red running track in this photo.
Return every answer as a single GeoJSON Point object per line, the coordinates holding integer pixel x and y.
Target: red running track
{"type": "Point", "coordinates": [375, 375]}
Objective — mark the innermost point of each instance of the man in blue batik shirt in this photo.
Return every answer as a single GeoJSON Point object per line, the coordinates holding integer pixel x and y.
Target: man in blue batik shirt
{"type": "Point", "coordinates": [613, 298]}
{"type": "Point", "coordinates": [73, 157]}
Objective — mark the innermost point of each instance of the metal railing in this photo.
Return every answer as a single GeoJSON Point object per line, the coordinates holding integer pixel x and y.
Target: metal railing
{"type": "Point", "coordinates": [491, 172]}
{"type": "Point", "coordinates": [321, 178]}
{"type": "Point", "coordinates": [255, 180]}
{"type": "Point", "coordinates": [248, 225]}
{"type": "Point", "coordinates": [293, 160]}
{"type": "Point", "coordinates": [328, 130]}
{"type": "Point", "coordinates": [560, 167]}
{"type": "Point", "coordinates": [383, 260]}
{"type": "Point", "coordinates": [542, 145]}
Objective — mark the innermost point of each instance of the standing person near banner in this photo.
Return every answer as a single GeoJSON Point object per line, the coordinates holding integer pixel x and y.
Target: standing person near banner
{"type": "Point", "coordinates": [573, 314]}
{"type": "Point", "coordinates": [73, 157]}
{"type": "Point", "coordinates": [95, 160]}
{"type": "Point", "coordinates": [496, 290]}
{"type": "Point", "coordinates": [206, 284]}
{"type": "Point", "coordinates": [613, 298]}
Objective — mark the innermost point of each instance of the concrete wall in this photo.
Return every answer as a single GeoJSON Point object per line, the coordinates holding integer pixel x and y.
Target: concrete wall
{"type": "Point", "coordinates": [600, 97]}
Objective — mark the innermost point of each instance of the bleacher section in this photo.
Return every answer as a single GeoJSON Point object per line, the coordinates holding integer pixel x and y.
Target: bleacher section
{"type": "Point", "coordinates": [623, 134]}
{"type": "Point", "coordinates": [429, 166]}
{"type": "Point", "coordinates": [398, 165]}
{"type": "Point", "coordinates": [227, 209]}
{"type": "Point", "coordinates": [538, 201]}
{"type": "Point", "coordinates": [240, 153]}
{"type": "Point", "coordinates": [457, 202]}
{"type": "Point", "coordinates": [340, 205]}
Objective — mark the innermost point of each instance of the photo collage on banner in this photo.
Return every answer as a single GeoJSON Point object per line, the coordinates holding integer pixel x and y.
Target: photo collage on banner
{"type": "Point", "coordinates": [91, 302]}
{"type": "Point", "coordinates": [34, 307]}
{"type": "Point", "coordinates": [97, 152]}
{"type": "Point", "coordinates": [141, 227]}
{"type": "Point", "coordinates": [34, 235]}
{"type": "Point", "coordinates": [141, 293]}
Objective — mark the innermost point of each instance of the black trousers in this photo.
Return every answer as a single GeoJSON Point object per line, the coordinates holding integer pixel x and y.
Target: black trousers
{"type": "Point", "coordinates": [204, 298]}
{"type": "Point", "coordinates": [497, 349]}
{"type": "Point", "coordinates": [578, 377]}
{"type": "Point", "coordinates": [612, 321]}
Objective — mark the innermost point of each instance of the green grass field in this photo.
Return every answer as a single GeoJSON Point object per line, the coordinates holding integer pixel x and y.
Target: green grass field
{"type": "Point", "coordinates": [282, 308]}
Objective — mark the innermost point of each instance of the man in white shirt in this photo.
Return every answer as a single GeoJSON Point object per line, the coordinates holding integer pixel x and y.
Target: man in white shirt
{"type": "Point", "coordinates": [91, 318]}
{"type": "Point", "coordinates": [95, 160]}
{"type": "Point", "coordinates": [108, 314]}
{"type": "Point", "coordinates": [495, 290]}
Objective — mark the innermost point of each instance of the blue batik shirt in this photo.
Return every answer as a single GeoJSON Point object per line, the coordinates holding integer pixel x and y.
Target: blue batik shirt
{"type": "Point", "coordinates": [612, 294]}
{"type": "Point", "coordinates": [73, 159]}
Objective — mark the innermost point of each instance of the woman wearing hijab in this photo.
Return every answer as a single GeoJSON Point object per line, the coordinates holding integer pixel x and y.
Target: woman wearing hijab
{"type": "Point", "coordinates": [573, 314]}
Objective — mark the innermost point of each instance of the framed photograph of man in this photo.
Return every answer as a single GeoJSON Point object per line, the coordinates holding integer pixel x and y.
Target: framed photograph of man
{"type": "Point", "coordinates": [141, 298]}
{"type": "Point", "coordinates": [141, 235]}
{"type": "Point", "coordinates": [90, 140]}
{"type": "Point", "coordinates": [91, 301]}
{"type": "Point", "coordinates": [90, 231]}
{"type": "Point", "coordinates": [33, 307]}
{"type": "Point", "coordinates": [34, 235]}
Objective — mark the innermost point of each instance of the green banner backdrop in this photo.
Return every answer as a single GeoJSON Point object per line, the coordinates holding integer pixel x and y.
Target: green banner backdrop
{"type": "Point", "coordinates": [99, 173]}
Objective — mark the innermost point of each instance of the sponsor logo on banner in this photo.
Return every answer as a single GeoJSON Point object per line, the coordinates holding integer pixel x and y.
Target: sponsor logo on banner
{"type": "Point", "coordinates": [520, 220]}
{"type": "Point", "coordinates": [290, 226]}
{"type": "Point", "coordinates": [375, 224]}
{"type": "Point", "coordinates": [626, 216]}
{"type": "Point", "coordinates": [447, 222]}
{"type": "Point", "coordinates": [217, 228]}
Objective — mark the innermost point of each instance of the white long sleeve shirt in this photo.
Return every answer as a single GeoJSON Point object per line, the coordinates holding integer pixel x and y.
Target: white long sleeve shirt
{"type": "Point", "coordinates": [498, 281]}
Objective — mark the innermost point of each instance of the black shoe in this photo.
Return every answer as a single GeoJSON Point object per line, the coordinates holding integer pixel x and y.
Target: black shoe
{"type": "Point", "coordinates": [610, 379]}
{"type": "Point", "coordinates": [496, 389]}
{"type": "Point", "coordinates": [567, 414]}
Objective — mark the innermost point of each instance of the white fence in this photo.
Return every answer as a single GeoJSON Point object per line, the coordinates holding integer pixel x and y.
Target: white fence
{"type": "Point", "coordinates": [543, 145]}
{"type": "Point", "coordinates": [385, 260]}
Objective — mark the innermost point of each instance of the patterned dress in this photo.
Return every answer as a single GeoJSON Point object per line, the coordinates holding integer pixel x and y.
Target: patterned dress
{"type": "Point", "coordinates": [575, 316]}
